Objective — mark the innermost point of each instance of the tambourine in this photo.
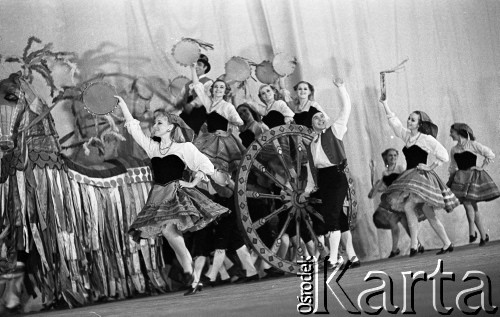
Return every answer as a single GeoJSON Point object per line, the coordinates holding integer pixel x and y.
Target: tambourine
{"type": "Point", "coordinates": [237, 69]}
{"type": "Point", "coordinates": [99, 98]}
{"type": "Point", "coordinates": [265, 73]}
{"type": "Point", "coordinates": [284, 64]}
{"type": "Point", "coordinates": [177, 85]}
{"type": "Point", "coordinates": [186, 52]}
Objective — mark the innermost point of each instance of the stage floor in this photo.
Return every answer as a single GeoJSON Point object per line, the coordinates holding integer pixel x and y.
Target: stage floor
{"type": "Point", "coordinates": [278, 297]}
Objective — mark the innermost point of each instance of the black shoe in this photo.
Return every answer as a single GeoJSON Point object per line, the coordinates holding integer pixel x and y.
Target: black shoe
{"type": "Point", "coordinates": [447, 250]}
{"type": "Point", "coordinates": [473, 238]}
{"type": "Point", "coordinates": [354, 264]}
{"type": "Point", "coordinates": [420, 248]}
{"type": "Point", "coordinates": [483, 242]}
{"type": "Point", "coordinates": [252, 278]}
{"type": "Point", "coordinates": [394, 253]}
{"type": "Point", "coordinates": [339, 264]}
{"type": "Point", "coordinates": [274, 272]}
{"type": "Point", "coordinates": [187, 279]}
{"type": "Point", "coordinates": [413, 252]}
{"type": "Point", "coordinates": [192, 290]}
{"type": "Point", "coordinates": [206, 281]}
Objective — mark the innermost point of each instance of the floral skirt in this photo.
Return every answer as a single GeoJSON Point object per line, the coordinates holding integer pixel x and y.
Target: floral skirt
{"type": "Point", "coordinates": [423, 187]}
{"type": "Point", "coordinates": [223, 149]}
{"type": "Point", "coordinates": [473, 185]}
{"type": "Point", "coordinates": [187, 208]}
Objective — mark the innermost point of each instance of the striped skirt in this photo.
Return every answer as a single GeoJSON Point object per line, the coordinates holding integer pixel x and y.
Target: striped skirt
{"type": "Point", "coordinates": [187, 208]}
{"type": "Point", "coordinates": [473, 185]}
{"type": "Point", "coordinates": [223, 149]}
{"type": "Point", "coordinates": [424, 188]}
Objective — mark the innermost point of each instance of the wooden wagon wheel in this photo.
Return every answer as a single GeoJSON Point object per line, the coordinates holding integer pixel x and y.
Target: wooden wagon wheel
{"type": "Point", "coordinates": [297, 212]}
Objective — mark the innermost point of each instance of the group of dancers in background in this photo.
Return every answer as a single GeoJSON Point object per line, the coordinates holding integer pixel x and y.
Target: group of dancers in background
{"type": "Point", "coordinates": [207, 135]}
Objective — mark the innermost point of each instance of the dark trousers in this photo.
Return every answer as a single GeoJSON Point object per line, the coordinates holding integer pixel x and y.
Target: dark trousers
{"type": "Point", "coordinates": [333, 187]}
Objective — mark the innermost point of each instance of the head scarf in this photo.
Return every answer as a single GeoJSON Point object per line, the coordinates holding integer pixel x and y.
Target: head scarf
{"type": "Point", "coordinates": [464, 130]}
{"type": "Point", "coordinates": [426, 124]}
{"type": "Point", "coordinates": [186, 131]}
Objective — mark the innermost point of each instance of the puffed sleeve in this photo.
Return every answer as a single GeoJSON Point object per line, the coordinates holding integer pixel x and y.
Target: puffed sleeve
{"type": "Point", "coordinates": [197, 161]}
{"type": "Point", "coordinates": [205, 99]}
{"type": "Point", "coordinates": [396, 125]}
{"type": "Point", "coordinates": [134, 129]}
{"type": "Point", "coordinates": [283, 108]}
{"type": "Point", "coordinates": [230, 113]}
{"type": "Point", "coordinates": [484, 151]}
{"type": "Point", "coordinates": [432, 146]}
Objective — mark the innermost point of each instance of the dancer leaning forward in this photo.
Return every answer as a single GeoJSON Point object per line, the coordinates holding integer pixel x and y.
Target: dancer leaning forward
{"type": "Point", "coordinates": [173, 205]}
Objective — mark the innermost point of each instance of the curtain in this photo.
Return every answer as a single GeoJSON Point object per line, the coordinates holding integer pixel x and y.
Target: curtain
{"type": "Point", "coordinates": [453, 72]}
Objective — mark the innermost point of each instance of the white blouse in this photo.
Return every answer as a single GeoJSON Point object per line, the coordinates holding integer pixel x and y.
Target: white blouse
{"type": "Point", "coordinates": [473, 147]}
{"type": "Point", "coordinates": [224, 108]}
{"type": "Point", "coordinates": [187, 152]}
{"type": "Point", "coordinates": [426, 142]}
{"type": "Point", "coordinates": [295, 108]}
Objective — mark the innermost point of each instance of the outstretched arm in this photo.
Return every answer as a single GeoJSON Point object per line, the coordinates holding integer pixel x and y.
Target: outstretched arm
{"type": "Point", "coordinates": [394, 122]}
{"type": "Point", "coordinates": [345, 111]}
{"type": "Point", "coordinates": [135, 130]}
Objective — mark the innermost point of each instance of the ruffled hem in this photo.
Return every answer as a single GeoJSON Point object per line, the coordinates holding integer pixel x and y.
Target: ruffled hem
{"type": "Point", "coordinates": [422, 187]}
{"type": "Point", "coordinates": [474, 185]}
{"type": "Point", "coordinates": [186, 208]}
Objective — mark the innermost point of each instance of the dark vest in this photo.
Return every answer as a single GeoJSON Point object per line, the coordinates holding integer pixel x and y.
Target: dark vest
{"type": "Point", "coordinates": [167, 169]}
{"type": "Point", "coordinates": [414, 155]}
{"type": "Point", "coordinates": [333, 148]}
{"type": "Point", "coordinates": [465, 160]}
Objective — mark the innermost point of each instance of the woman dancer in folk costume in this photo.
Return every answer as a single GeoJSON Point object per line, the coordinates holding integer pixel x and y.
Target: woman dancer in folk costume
{"type": "Point", "coordinates": [469, 182]}
{"type": "Point", "coordinates": [274, 112]}
{"type": "Point", "coordinates": [253, 126]}
{"type": "Point", "coordinates": [383, 218]}
{"type": "Point", "coordinates": [219, 143]}
{"type": "Point", "coordinates": [304, 105]}
{"type": "Point", "coordinates": [419, 191]}
{"type": "Point", "coordinates": [173, 205]}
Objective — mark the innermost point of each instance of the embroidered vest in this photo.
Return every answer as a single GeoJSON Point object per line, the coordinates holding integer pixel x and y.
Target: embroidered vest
{"type": "Point", "coordinates": [333, 148]}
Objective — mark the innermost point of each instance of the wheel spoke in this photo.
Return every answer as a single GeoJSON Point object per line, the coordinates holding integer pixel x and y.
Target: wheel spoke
{"type": "Point", "coordinates": [264, 171]}
{"type": "Point", "coordinates": [309, 226]}
{"type": "Point", "coordinates": [257, 195]}
{"type": "Point", "coordinates": [316, 214]}
{"type": "Point", "coordinates": [300, 251]}
{"type": "Point", "coordinates": [259, 223]}
{"type": "Point", "coordinates": [290, 173]}
{"type": "Point", "coordinates": [291, 214]}
{"type": "Point", "coordinates": [298, 148]}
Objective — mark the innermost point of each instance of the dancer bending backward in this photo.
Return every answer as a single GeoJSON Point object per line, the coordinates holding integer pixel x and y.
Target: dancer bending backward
{"type": "Point", "coordinates": [173, 205]}
{"type": "Point", "coordinates": [252, 126]}
{"type": "Point", "coordinates": [419, 191]}
{"type": "Point", "coordinates": [327, 161]}
{"type": "Point", "coordinates": [471, 183]}
{"type": "Point", "coordinates": [382, 217]}
{"type": "Point", "coordinates": [219, 143]}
